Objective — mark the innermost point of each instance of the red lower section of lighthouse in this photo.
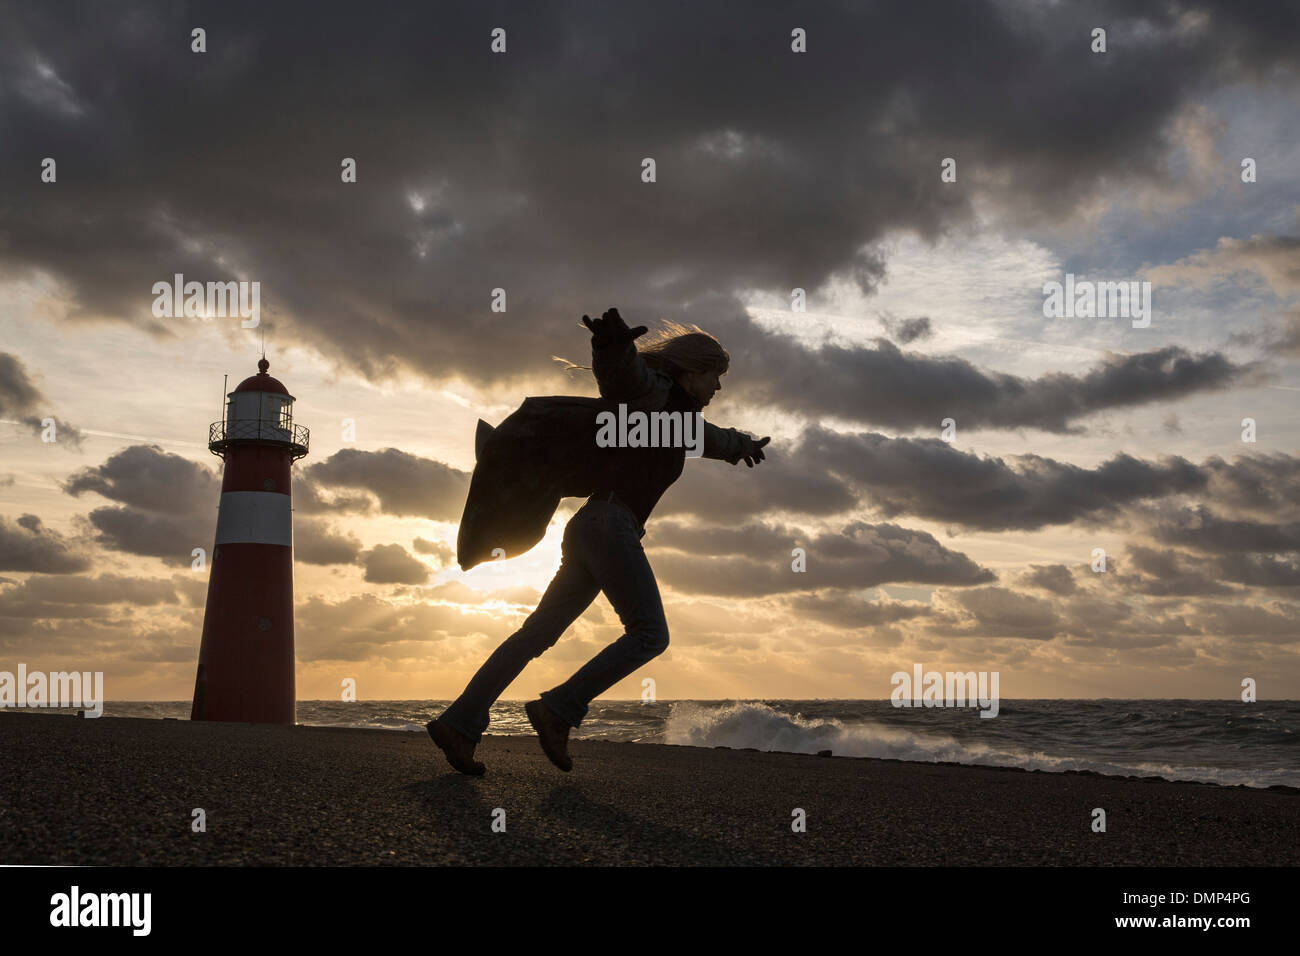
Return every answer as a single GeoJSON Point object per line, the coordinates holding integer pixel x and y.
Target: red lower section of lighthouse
{"type": "Point", "coordinates": [246, 660]}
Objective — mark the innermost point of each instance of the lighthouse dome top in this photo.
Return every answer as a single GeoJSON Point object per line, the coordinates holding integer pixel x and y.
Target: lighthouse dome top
{"type": "Point", "coordinates": [261, 382]}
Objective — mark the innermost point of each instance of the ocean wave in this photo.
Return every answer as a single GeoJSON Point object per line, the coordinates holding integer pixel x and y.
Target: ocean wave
{"type": "Point", "coordinates": [379, 724]}
{"type": "Point", "coordinates": [759, 726]}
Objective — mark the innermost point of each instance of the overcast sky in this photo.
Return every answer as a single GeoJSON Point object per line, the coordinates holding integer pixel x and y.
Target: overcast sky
{"type": "Point", "coordinates": [774, 171]}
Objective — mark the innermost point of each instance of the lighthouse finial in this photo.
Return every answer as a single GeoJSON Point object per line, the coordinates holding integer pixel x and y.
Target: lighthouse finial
{"type": "Point", "coordinates": [263, 365]}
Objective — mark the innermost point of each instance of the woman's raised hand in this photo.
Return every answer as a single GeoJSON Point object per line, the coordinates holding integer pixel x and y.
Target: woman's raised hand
{"type": "Point", "coordinates": [610, 329]}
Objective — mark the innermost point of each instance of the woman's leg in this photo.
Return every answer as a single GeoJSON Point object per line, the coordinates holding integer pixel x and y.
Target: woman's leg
{"type": "Point", "coordinates": [617, 562]}
{"type": "Point", "coordinates": [570, 593]}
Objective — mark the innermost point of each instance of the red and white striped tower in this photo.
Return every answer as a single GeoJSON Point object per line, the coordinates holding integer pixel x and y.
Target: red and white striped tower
{"type": "Point", "coordinates": [246, 658]}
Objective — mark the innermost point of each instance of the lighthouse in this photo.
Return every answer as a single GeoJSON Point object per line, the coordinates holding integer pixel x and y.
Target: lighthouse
{"type": "Point", "coordinates": [246, 656]}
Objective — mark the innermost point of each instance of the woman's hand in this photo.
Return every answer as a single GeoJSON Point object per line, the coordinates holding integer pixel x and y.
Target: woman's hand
{"type": "Point", "coordinates": [753, 450]}
{"type": "Point", "coordinates": [610, 329]}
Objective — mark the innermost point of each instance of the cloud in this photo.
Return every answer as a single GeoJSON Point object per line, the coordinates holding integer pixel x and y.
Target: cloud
{"type": "Point", "coordinates": [757, 559]}
{"type": "Point", "coordinates": [998, 612]}
{"type": "Point", "coordinates": [44, 89]}
{"type": "Point", "coordinates": [1164, 573]}
{"type": "Point", "coordinates": [309, 499]}
{"type": "Point", "coordinates": [1260, 570]}
{"type": "Point", "coordinates": [1201, 529]}
{"type": "Point", "coordinates": [391, 564]}
{"type": "Point", "coordinates": [1265, 483]}
{"type": "Point", "coordinates": [1275, 623]}
{"type": "Point", "coordinates": [510, 190]}
{"type": "Point", "coordinates": [443, 553]}
{"type": "Point", "coordinates": [717, 491]}
{"type": "Point", "coordinates": [27, 545]}
{"type": "Point", "coordinates": [405, 484]}
{"type": "Point", "coordinates": [368, 628]}
{"type": "Point", "coordinates": [909, 391]}
{"type": "Point", "coordinates": [851, 610]}
{"type": "Point", "coordinates": [146, 477]}
{"type": "Point", "coordinates": [930, 478]}
{"type": "Point", "coordinates": [59, 430]}
{"type": "Point", "coordinates": [776, 171]}
{"type": "Point", "coordinates": [317, 542]}
{"type": "Point", "coordinates": [17, 393]}
{"type": "Point", "coordinates": [80, 596]}
{"type": "Point", "coordinates": [1092, 622]}
{"type": "Point", "coordinates": [168, 503]}
{"type": "Point", "coordinates": [1056, 578]}
{"type": "Point", "coordinates": [908, 330]}
{"type": "Point", "coordinates": [1275, 259]}
{"type": "Point", "coordinates": [173, 539]}
{"type": "Point", "coordinates": [18, 397]}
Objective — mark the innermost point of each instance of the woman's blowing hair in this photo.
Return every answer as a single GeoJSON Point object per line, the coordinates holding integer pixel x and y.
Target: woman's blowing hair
{"type": "Point", "coordinates": [676, 348]}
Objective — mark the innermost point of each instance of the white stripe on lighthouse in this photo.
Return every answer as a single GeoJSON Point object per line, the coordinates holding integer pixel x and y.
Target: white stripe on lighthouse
{"type": "Point", "coordinates": [255, 517]}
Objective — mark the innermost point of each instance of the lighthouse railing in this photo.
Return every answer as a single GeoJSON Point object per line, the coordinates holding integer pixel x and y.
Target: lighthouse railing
{"type": "Point", "coordinates": [226, 432]}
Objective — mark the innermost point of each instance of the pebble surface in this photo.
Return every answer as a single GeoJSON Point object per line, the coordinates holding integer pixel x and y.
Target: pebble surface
{"type": "Point", "coordinates": [122, 791]}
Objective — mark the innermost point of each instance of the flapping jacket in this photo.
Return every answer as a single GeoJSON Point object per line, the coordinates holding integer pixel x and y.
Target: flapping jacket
{"type": "Point", "coordinates": [546, 450]}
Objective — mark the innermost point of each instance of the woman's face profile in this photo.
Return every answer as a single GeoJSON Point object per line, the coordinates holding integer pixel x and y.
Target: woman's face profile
{"type": "Point", "coordinates": [700, 385]}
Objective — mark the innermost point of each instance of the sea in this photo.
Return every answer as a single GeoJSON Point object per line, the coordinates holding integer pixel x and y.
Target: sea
{"type": "Point", "coordinates": [1212, 741]}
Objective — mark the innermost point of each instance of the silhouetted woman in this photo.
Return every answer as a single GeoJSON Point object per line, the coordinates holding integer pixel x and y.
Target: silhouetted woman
{"type": "Point", "coordinates": [677, 371]}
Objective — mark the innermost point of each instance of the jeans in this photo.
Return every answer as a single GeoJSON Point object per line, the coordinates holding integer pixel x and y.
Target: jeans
{"type": "Point", "coordinates": [601, 551]}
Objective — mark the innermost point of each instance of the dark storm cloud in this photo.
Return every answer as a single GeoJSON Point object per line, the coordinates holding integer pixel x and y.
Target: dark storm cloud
{"type": "Point", "coordinates": [27, 545]}
{"type": "Point", "coordinates": [521, 170]}
{"type": "Point", "coordinates": [405, 484]}
{"type": "Point", "coordinates": [168, 503]}
{"type": "Point", "coordinates": [930, 478]}
{"type": "Point", "coordinates": [757, 559]}
{"type": "Point", "coordinates": [910, 391]}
